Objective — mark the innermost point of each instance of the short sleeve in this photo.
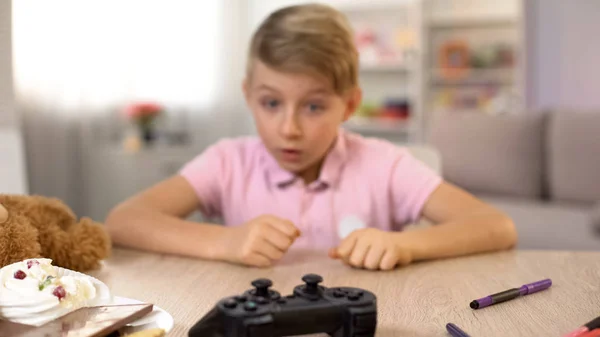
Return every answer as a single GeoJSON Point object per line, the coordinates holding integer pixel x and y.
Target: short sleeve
{"type": "Point", "coordinates": [205, 174]}
{"type": "Point", "coordinates": [411, 184]}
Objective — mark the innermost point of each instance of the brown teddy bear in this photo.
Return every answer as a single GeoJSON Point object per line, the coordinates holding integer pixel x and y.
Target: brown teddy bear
{"type": "Point", "coordinates": [42, 227]}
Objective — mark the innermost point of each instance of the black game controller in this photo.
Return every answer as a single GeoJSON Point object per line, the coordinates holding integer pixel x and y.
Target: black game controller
{"type": "Point", "coordinates": [262, 312]}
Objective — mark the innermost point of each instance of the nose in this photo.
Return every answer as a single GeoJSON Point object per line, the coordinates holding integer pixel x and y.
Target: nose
{"type": "Point", "coordinates": [290, 127]}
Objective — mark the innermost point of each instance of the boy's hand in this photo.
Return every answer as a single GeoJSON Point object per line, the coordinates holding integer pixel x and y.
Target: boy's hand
{"type": "Point", "coordinates": [373, 249]}
{"type": "Point", "coordinates": [261, 241]}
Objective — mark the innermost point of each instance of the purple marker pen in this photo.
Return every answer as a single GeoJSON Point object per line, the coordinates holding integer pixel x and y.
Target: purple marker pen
{"type": "Point", "coordinates": [507, 295]}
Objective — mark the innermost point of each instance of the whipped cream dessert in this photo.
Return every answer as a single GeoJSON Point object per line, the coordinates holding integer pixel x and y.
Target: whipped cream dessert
{"type": "Point", "coordinates": [35, 292]}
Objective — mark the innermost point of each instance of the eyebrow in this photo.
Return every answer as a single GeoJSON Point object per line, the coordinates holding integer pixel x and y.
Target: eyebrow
{"type": "Point", "coordinates": [266, 87]}
{"type": "Point", "coordinates": [312, 92]}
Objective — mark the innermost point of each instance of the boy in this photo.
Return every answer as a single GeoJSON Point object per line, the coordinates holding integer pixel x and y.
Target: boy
{"type": "Point", "coordinates": [292, 186]}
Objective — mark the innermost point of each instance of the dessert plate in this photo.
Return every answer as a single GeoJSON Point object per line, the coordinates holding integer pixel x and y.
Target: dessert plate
{"type": "Point", "coordinates": [20, 311]}
{"type": "Point", "coordinates": [158, 318]}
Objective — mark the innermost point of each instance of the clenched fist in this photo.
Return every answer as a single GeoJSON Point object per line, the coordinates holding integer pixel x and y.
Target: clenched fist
{"type": "Point", "coordinates": [372, 249]}
{"type": "Point", "coordinates": [260, 242]}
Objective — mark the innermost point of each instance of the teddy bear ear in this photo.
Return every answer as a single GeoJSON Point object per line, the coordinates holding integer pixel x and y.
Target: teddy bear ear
{"type": "Point", "coordinates": [3, 214]}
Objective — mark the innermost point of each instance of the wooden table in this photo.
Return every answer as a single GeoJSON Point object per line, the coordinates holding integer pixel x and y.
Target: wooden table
{"type": "Point", "coordinates": [415, 301]}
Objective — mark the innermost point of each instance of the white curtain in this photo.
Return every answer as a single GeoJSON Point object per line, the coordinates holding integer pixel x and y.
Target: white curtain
{"type": "Point", "coordinates": [77, 62]}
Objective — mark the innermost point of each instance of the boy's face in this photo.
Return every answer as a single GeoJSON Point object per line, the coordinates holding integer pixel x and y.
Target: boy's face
{"type": "Point", "coordinates": [296, 115]}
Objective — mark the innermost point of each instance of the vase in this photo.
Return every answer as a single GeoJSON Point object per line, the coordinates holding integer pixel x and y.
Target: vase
{"type": "Point", "coordinates": [148, 135]}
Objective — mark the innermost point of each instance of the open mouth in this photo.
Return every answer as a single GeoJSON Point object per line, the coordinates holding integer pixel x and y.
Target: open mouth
{"type": "Point", "coordinates": [291, 155]}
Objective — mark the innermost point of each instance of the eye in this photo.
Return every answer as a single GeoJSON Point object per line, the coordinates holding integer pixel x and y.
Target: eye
{"type": "Point", "coordinates": [314, 107]}
{"type": "Point", "coordinates": [270, 103]}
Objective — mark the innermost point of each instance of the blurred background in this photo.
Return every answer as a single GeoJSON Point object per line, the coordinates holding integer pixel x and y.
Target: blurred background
{"type": "Point", "coordinates": [99, 100]}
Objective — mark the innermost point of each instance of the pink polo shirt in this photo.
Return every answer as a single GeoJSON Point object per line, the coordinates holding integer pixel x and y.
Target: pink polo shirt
{"type": "Point", "coordinates": [372, 179]}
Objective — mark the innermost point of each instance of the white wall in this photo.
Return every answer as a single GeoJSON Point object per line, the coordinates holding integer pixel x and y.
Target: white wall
{"type": "Point", "coordinates": [440, 9]}
{"type": "Point", "coordinates": [563, 51]}
{"type": "Point", "coordinates": [7, 115]}
{"type": "Point", "coordinates": [12, 166]}
{"type": "Point", "coordinates": [259, 9]}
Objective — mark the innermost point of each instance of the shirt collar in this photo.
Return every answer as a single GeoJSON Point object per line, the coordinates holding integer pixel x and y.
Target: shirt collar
{"type": "Point", "coordinates": [330, 171]}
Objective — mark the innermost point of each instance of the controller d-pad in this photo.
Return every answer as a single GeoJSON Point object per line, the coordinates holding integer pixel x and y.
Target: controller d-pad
{"type": "Point", "coordinates": [230, 303]}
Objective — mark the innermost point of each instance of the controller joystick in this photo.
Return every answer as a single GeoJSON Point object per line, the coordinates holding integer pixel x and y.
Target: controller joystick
{"type": "Point", "coordinates": [261, 287]}
{"type": "Point", "coordinates": [338, 312]}
{"type": "Point", "coordinates": [310, 289]}
{"type": "Point", "coordinates": [261, 291]}
{"type": "Point", "coordinates": [312, 283]}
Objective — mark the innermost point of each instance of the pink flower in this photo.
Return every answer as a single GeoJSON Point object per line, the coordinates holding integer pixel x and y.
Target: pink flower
{"type": "Point", "coordinates": [143, 110]}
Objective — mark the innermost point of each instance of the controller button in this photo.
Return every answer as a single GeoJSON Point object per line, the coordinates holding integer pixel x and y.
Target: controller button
{"type": "Point", "coordinates": [353, 297]}
{"type": "Point", "coordinates": [261, 300]}
{"type": "Point", "coordinates": [250, 306]}
{"type": "Point", "coordinates": [230, 304]}
{"type": "Point", "coordinates": [338, 294]}
{"type": "Point", "coordinates": [241, 298]}
{"type": "Point", "coordinates": [275, 296]}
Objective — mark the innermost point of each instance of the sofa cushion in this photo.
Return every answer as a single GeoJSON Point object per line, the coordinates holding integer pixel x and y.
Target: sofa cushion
{"type": "Point", "coordinates": [595, 217]}
{"type": "Point", "coordinates": [573, 148]}
{"type": "Point", "coordinates": [494, 154]}
{"type": "Point", "coordinates": [549, 225]}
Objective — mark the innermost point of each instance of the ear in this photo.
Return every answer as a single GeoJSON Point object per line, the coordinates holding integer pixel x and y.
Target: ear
{"type": "Point", "coordinates": [246, 89]}
{"type": "Point", "coordinates": [353, 101]}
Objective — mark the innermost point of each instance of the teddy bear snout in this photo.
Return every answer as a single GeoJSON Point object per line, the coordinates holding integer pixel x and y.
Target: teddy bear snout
{"type": "Point", "coordinates": [3, 214]}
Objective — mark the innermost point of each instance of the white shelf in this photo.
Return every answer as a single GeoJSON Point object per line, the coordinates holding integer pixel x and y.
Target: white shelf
{"type": "Point", "coordinates": [392, 68]}
{"type": "Point", "coordinates": [378, 126]}
{"type": "Point", "coordinates": [476, 22]}
{"type": "Point", "coordinates": [475, 76]}
{"type": "Point", "coordinates": [371, 5]}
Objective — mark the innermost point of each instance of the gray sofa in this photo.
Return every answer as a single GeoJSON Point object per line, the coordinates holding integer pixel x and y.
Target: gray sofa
{"type": "Point", "coordinates": [542, 168]}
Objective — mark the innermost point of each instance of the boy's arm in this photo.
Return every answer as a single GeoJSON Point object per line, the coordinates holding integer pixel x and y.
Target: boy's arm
{"type": "Point", "coordinates": [464, 225]}
{"type": "Point", "coordinates": [153, 220]}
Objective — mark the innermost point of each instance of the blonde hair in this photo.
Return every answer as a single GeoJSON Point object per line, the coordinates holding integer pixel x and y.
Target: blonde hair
{"type": "Point", "coordinates": [310, 38]}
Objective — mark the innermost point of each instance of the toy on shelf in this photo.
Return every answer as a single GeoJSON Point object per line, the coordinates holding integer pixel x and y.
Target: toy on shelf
{"type": "Point", "coordinates": [391, 109]}
{"type": "Point", "coordinates": [384, 46]}
{"type": "Point", "coordinates": [488, 99]}
{"type": "Point", "coordinates": [453, 59]}
{"type": "Point", "coordinates": [494, 56]}
{"type": "Point", "coordinates": [457, 59]}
